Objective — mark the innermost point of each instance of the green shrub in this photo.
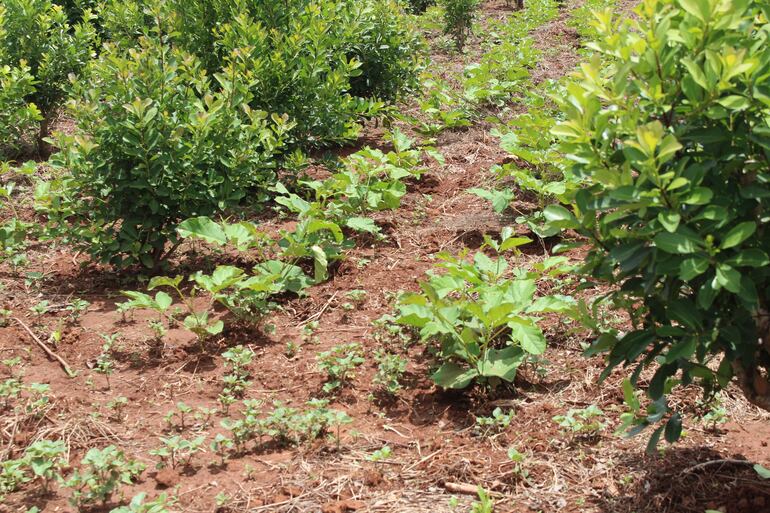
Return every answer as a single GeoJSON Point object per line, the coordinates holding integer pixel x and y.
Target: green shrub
{"type": "Point", "coordinates": [458, 19]}
{"type": "Point", "coordinates": [18, 117]}
{"type": "Point", "coordinates": [327, 64]}
{"type": "Point", "coordinates": [389, 48]}
{"type": "Point", "coordinates": [36, 33]}
{"type": "Point", "coordinates": [157, 143]}
{"type": "Point", "coordinates": [419, 6]}
{"type": "Point", "coordinates": [76, 8]}
{"type": "Point", "coordinates": [670, 127]}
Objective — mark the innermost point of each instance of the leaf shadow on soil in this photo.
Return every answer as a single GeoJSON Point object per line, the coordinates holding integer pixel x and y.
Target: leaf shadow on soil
{"type": "Point", "coordinates": [677, 482]}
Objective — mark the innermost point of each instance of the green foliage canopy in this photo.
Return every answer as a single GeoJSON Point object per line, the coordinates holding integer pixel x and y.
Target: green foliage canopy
{"type": "Point", "coordinates": [669, 127]}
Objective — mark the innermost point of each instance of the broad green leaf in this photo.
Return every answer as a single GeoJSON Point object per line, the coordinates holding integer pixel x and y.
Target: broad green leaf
{"type": "Point", "coordinates": [673, 428]}
{"type": "Point", "coordinates": [528, 335]}
{"type": "Point", "coordinates": [735, 102]}
{"type": "Point", "coordinates": [749, 258]}
{"type": "Point", "coordinates": [683, 349]}
{"type": "Point", "coordinates": [667, 149]}
{"type": "Point", "coordinates": [202, 228]}
{"type": "Point", "coordinates": [699, 8]}
{"type": "Point", "coordinates": [500, 199]}
{"type": "Point", "coordinates": [163, 300]}
{"type": "Point", "coordinates": [501, 363]}
{"type": "Point", "coordinates": [451, 375]}
{"type": "Point", "coordinates": [241, 235]}
{"type": "Point", "coordinates": [728, 278]}
{"type": "Point", "coordinates": [699, 196]}
{"type": "Point", "coordinates": [514, 242]}
{"type": "Point", "coordinates": [216, 328]}
{"type": "Point", "coordinates": [669, 220]}
{"type": "Point", "coordinates": [652, 444]}
{"type": "Point", "coordinates": [165, 281]}
{"type": "Point", "coordinates": [684, 312]}
{"type": "Point", "coordinates": [693, 267]}
{"type": "Point", "coordinates": [139, 299]}
{"type": "Point", "coordinates": [738, 234]}
{"type": "Point", "coordinates": [696, 73]}
{"type": "Point", "coordinates": [362, 224]}
{"type": "Point", "coordinates": [552, 304]}
{"type": "Point", "coordinates": [559, 216]}
{"type": "Point", "coordinates": [315, 225]}
{"type": "Point", "coordinates": [677, 243]}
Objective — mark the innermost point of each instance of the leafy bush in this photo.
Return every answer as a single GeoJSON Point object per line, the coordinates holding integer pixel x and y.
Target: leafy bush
{"type": "Point", "coordinates": [458, 19]}
{"type": "Point", "coordinates": [18, 117]}
{"type": "Point", "coordinates": [419, 6]}
{"type": "Point", "coordinates": [324, 63]}
{"type": "Point", "coordinates": [37, 34]}
{"type": "Point", "coordinates": [157, 143]}
{"type": "Point", "coordinates": [670, 125]}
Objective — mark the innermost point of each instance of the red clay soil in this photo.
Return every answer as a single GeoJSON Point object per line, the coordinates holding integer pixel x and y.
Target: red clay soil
{"type": "Point", "coordinates": [430, 431]}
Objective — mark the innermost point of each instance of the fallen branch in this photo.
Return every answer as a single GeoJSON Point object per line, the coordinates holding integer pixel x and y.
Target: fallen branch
{"type": "Point", "coordinates": [47, 350]}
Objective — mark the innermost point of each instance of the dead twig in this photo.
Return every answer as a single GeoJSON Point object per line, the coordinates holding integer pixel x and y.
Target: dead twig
{"type": "Point", "coordinates": [319, 313]}
{"type": "Point", "coordinates": [715, 462]}
{"type": "Point", "coordinates": [463, 488]}
{"type": "Point", "coordinates": [47, 350]}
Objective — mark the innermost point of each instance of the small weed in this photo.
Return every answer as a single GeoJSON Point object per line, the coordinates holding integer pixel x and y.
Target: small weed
{"type": "Point", "coordinates": [582, 422]}
{"type": "Point", "coordinates": [381, 454]}
{"type": "Point", "coordinates": [100, 475]}
{"type": "Point", "coordinates": [497, 423]}
{"type": "Point", "coordinates": [390, 369]}
{"type": "Point", "coordinates": [338, 365]}
{"type": "Point", "coordinates": [176, 450]}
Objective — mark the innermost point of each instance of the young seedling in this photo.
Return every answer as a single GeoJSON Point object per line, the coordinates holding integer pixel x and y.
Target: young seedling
{"type": "Point", "coordinates": [518, 459]}
{"type": "Point", "coordinates": [582, 422]}
{"type": "Point", "coordinates": [292, 348]}
{"type": "Point", "coordinates": [46, 459]}
{"type": "Point", "coordinates": [308, 332]}
{"type": "Point", "coordinates": [237, 359]}
{"type": "Point", "coordinates": [100, 475]}
{"type": "Point", "coordinates": [485, 503]}
{"type": "Point", "coordinates": [356, 296]}
{"type": "Point", "coordinates": [381, 454]}
{"type": "Point", "coordinates": [339, 364]}
{"type": "Point", "coordinates": [390, 369]}
{"type": "Point", "coordinates": [204, 414]}
{"type": "Point", "coordinates": [118, 406]}
{"type": "Point", "coordinates": [181, 411]}
{"type": "Point", "coordinates": [715, 412]}
{"type": "Point", "coordinates": [162, 504]}
{"type": "Point", "coordinates": [221, 446]}
{"type": "Point", "coordinates": [76, 309]}
{"type": "Point", "coordinates": [178, 451]}
{"type": "Point", "coordinates": [41, 308]}
{"type": "Point", "coordinates": [497, 423]}
{"type": "Point", "coordinates": [105, 363]}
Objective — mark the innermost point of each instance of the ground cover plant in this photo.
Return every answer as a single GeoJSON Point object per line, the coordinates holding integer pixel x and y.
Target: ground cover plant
{"type": "Point", "coordinates": [307, 256]}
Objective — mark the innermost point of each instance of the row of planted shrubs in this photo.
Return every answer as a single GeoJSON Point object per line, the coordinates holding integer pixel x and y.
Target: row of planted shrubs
{"type": "Point", "coordinates": [188, 107]}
